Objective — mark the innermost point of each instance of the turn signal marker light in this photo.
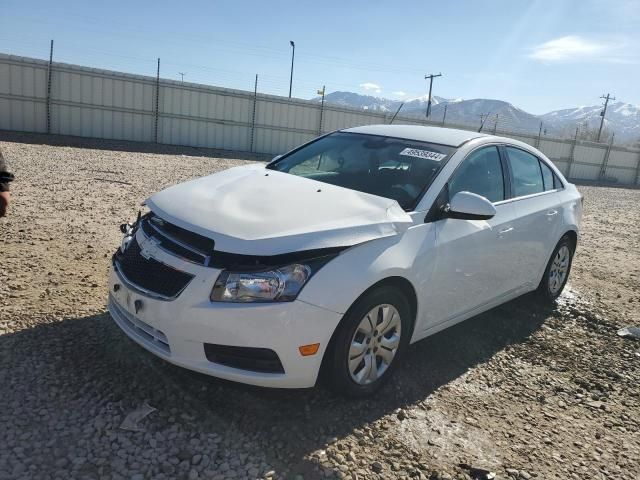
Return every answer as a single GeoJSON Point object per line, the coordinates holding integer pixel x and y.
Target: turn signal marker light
{"type": "Point", "coordinates": [307, 350]}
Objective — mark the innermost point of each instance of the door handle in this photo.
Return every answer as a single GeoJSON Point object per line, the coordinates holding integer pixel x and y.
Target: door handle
{"type": "Point", "coordinates": [551, 213]}
{"type": "Point", "coordinates": [505, 230]}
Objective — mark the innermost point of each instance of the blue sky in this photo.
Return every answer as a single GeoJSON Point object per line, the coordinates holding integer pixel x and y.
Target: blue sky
{"type": "Point", "coordinates": [539, 55]}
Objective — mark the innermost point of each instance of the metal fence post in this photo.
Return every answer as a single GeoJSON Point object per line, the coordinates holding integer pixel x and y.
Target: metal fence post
{"type": "Point", "coordinates": [539, 135]}
{"type": "Point", "coordinates": [253, 115]}
{"type": "Point", "coordinates": [321, 112]}
{"type": "Point", "coordinates": [571, 158]}
{"type": "Point", "coordinates": [49, 75]}
{"type": "Point", "coordinates": [605, 160]}
{"type": "Point", "coordinates": [637, 180]}
{"type": "Point", "coordinates": [444, 115]}
{"type": "Point", "coordinates": [157, 113]}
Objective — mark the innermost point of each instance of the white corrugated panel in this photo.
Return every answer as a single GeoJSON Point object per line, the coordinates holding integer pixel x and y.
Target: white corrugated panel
{"type": "Point", "coordinates": [23, 89]}
{"type": "Point", "coordinates": [585, 172]}
{"type": "Point", "coordinates": [589, 154]}
{"type": "Point", "coordinates": [562, 166]}
{"type": "Point", "coordinates": [555, 149]}
{"type": "Point", "coordinates": [619, 158]}
{"type": "Point", "coordinates": [20, 115]}
{"type": "Point", "coordinates": [620, 175]}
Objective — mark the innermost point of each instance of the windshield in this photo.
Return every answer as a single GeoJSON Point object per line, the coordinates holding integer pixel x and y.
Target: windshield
{"type": "Point", "coordinates": [388, 167]}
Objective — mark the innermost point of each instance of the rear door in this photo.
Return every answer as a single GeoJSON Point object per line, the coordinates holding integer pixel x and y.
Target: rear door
{"type": "Point", "coordinates": [538, 218]}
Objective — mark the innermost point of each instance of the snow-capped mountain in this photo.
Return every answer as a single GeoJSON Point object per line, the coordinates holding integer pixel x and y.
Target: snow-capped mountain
{"type": "Point", "coordinates": [472, 112]}
{"type": "Point", "coordinates": [465, 112]}
{"type": "Point", "coordinates": [420, 103]}
{"type": "Point", "coordinates": [379, 104]}
{"type": "Point", "coordinates": [622, 118]}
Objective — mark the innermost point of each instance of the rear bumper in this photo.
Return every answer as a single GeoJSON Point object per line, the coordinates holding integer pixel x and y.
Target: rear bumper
{"type": "Point", "coordinates": [178, 330]}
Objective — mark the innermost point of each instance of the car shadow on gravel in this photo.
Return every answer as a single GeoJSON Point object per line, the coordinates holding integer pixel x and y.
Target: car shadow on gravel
{"type": "Point", "coordinates": [77, 366]}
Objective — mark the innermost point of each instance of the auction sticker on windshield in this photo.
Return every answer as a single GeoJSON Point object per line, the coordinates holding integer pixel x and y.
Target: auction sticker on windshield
{"type": "Point", "coordinates": [414, 152]}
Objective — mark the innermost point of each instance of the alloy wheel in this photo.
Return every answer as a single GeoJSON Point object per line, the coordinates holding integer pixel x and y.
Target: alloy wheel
{"type": "Point", "coordinates": [559, 269]}
{"type": "Point", "coordinates": [374, 344]}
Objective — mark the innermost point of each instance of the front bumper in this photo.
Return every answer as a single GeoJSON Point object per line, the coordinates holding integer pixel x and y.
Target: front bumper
{"type": "Point", "coordinates": [177, 330]}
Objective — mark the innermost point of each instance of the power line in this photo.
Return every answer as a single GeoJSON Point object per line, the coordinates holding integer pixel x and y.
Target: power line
{"type": "Point", "coordinates": [221, 44]}
{"type": "Point", "coordinates": [133, 63]}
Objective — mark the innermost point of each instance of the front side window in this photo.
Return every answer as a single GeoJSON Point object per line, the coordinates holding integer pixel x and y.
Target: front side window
{"type": "Point", "coordinates": [480, 173]}
{"type": "Point", "coordinates": [525, 169]}
{"type": "Point", "coordinates": [387, 167]}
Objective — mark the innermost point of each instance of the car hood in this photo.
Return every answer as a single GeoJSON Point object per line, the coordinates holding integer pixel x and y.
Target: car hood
{"type": "Point", "coordinates": [251, 210]}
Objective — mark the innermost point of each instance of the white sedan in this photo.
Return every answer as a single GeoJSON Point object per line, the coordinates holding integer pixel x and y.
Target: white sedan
{"type": "Point", "coordinates": [339, 254]}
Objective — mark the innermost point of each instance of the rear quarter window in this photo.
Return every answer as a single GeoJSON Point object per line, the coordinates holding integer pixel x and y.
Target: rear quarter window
{"type": "Point", "coordinates": [548, 177]}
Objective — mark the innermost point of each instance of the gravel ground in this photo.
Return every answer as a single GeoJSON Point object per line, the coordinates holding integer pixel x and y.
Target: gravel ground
{"type": "Point", "coordinates": [522, 391]}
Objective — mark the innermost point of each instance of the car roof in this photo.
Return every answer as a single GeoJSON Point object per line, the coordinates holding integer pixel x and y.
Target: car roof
{"type": "Point", "coordinates": [442, 136]}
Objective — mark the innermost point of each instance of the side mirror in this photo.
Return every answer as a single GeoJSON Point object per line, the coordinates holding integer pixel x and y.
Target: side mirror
{"type": "Point", "coordinates": [470, 206]}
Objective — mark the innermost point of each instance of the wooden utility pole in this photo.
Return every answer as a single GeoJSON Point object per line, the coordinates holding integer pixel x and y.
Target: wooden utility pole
{"type": "Point", "coordinates": [396, 114]}
{"type": "Point", "coordinates": [483, 118]}
{"type": "Point", "coordinates": [431, 76]}
{"type": "Point", "coordinates": [604, 112]}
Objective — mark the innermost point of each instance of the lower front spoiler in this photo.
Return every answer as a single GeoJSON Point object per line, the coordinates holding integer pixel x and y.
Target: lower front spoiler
{"type": "Point", "coordinates": [300, 372]}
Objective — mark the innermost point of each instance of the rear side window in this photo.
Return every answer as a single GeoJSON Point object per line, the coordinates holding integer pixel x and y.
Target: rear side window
{"type": "Point", "coordinates": [547, 177]}
{"type": "Point", "coordinates": [525, 169]}
{"type": "Point", "coordinates": [480, 173]}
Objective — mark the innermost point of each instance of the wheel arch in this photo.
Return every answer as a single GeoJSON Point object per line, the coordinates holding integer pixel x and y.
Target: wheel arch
{"type": "Point", "coordinates": [402, 284]}
{"type": "Point", "coordinates": [573, 236]}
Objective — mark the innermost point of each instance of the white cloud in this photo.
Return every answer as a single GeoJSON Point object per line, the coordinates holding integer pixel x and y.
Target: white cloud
{"type": "Point", "coordinates": [571, 47]}
{"type": "Point", "coordinates": [369, 86]}
{"type": "Point", "coordinates": [399, 93]}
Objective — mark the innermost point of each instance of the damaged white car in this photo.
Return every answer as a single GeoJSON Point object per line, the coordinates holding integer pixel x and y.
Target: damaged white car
{"type": "Point", "coordinates": [339, 254]}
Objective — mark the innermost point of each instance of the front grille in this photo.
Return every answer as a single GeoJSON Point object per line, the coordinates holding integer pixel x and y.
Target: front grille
{"type": "Point", "coordinates": [178, 241]}
{"type": "Point", "coordinates": [244, 358]}
{"type": "Point", "coordinates": [148, 275]}
{"type": "Point", "coordinates": [139, 328]}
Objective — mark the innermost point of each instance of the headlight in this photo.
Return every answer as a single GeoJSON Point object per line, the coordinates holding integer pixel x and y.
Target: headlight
{"type": "Point", "coordinates": [281, 284]}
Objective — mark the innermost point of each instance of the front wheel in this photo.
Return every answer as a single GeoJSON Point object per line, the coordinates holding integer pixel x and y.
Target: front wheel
{"type": "Point", "coordinates": [369, 342]}
{"type": "Point", "coordinates": [557, 272]}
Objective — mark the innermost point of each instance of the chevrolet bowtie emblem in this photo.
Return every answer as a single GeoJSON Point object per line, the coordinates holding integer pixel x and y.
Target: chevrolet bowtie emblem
{"type": "Point", "coordinates": [149, 248]}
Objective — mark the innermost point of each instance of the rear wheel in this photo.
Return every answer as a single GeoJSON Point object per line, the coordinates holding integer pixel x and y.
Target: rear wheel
{"type": "Point", "coordinates": [369, 342]}
{"type": "Point", "coordinates": [557, 272]}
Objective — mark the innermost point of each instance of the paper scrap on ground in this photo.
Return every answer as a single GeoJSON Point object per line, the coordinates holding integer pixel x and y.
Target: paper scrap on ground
{"type": "Point", "coordinates": [131, 421]}
{"type": "Point", "coordinates": [630, 332]}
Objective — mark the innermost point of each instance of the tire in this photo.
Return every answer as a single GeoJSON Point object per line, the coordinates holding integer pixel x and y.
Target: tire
{"type": "Point", "coordinates": [355, 329]}
{"type": "Point", "coordinates": [551, 285]}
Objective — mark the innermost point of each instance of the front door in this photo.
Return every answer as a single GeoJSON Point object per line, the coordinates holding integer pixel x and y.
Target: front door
{"type": "Point", "coordinates": [473, 258]}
